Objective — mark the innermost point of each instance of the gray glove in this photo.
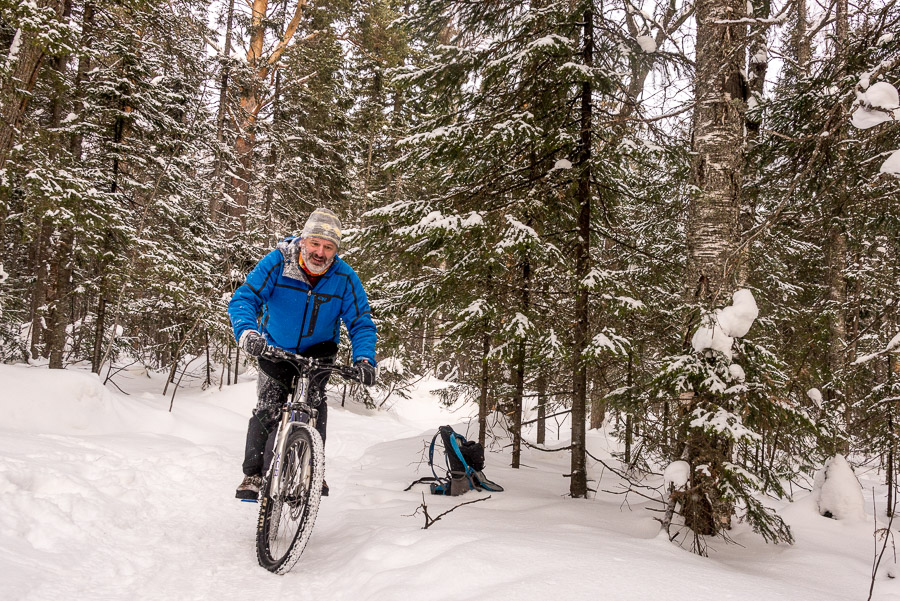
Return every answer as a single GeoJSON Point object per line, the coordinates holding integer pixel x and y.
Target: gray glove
{"type": "Point", "coordinates": [253, 342]}
{"type": "Point", "coordinates": [366, 372]}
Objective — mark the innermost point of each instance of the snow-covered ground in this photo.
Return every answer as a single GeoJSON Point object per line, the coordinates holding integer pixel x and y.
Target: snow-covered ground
{"type": "Point", "coordinates": [107, 496]}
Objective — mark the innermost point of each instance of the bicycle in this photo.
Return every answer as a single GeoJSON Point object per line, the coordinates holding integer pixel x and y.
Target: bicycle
{"type": "Point", "coordinates": [292, 486]}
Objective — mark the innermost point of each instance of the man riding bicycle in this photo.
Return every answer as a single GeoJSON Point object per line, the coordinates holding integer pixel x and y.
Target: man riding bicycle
{"type": "Point", "coordinates": [295, 299]}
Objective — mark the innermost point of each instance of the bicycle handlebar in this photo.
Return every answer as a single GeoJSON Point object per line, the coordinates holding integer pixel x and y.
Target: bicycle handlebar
{"type": "Point", "coordinates": [348, 372]}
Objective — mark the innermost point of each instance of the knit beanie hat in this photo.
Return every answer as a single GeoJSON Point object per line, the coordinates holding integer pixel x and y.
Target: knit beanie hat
{"type": "Point", "coordinates": [323, 223]}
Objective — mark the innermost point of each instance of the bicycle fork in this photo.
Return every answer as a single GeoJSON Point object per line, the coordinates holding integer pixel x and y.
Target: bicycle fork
{"type": "Point", "coordinates": [288, 419]}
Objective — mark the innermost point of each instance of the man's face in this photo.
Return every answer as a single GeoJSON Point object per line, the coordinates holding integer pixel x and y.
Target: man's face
{"type": "Point", "coordinates": [319, 253]}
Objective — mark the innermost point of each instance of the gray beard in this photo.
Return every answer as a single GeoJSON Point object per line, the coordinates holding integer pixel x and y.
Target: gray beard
{"type": "Point", "coordinates": [305, 254]}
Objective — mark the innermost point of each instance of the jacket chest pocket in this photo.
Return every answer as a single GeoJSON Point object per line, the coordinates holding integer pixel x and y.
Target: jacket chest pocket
{"type": "Point", "coordinates": [318, 300]}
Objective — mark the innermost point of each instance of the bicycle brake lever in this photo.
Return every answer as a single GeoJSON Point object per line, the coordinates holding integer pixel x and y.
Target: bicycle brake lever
{"type": "Point", "coordinates": [350, 372]}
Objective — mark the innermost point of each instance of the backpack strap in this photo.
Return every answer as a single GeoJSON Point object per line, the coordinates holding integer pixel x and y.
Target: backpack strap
{"type": "Point", "coordinates": [454, 445]}
{"type": "Point", "coordinates": [424, 480]}
{"type": "Point", "coordinates": [438, 482]}
{"type": "Point", "coordinates": [431, 454]}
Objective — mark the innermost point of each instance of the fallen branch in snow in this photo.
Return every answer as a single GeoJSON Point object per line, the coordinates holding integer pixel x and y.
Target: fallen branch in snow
{"type": "Point", "coordinates": [429, 520]}
{"type": "Point", "coordinates": [110, 374]}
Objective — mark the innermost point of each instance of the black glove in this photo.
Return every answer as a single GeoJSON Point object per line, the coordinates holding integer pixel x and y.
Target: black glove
{"type": "Point", "coordinates": [253, 342]}
{"type": "Point", "coordinates": [366, 372]}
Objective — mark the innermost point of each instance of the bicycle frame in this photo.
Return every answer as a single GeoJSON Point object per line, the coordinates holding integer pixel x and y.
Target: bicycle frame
{"type": "Point", "coordinates": [296, 409]}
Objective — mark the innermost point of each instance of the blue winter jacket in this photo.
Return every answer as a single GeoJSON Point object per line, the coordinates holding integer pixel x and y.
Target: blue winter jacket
{"type": "Point", "coordinates": [294, 315]}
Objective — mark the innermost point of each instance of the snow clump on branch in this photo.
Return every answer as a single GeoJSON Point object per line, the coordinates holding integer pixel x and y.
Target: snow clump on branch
{"type": "Point", "coordinates": [878, 104]}
{"type": "Point", "coordinates": [719, 329]}
{"type": "Point", "coordinates": [646, 43]}
{"type": "Point", "coordinates": [677, 474]}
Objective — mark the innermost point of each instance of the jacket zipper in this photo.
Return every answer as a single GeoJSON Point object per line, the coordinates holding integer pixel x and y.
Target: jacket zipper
{"type": "Point", "coordinates": [303, 324]}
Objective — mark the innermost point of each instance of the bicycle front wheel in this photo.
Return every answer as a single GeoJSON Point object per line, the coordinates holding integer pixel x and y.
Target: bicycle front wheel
{"type": "Point", "coordinates": [290, 500]}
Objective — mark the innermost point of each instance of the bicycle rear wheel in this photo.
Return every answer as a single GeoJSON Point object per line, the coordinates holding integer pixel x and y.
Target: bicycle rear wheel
{"type": "Point", "coordinates": [289, 501]}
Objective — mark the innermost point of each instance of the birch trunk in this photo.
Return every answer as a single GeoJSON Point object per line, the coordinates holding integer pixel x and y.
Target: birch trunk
{"type": "Point", "coordinates": [712, 226]}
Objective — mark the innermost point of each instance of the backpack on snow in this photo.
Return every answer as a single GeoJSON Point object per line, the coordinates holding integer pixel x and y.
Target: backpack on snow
{"type": "Point", "coordinates": [464, 461]}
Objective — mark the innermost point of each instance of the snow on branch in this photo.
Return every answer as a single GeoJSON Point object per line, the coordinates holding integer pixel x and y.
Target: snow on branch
{"type": "Point", "coordinates": [721, 327]}
{"type": "Point", "coordinates": [552, 41]}
{"type": "Point", "coordinates": [435, 220]}
{"type": "Point", "coordinates": [607, 341]}
{"type": "Point", "coordinates": [878, 104]}
{"type": "Point", "coordinates": [892, 346]}
{"type": "Point", "coordinates": [517, 234]}
{"type": "Point", "coordinates": [723, 423]}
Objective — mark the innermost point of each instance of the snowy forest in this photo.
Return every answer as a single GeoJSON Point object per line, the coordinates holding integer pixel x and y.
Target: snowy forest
{"type": "Point", "coordinates": [676, 220]}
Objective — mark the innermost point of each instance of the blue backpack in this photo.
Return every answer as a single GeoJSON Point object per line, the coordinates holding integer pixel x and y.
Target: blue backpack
{"type": "Point", "coordinates": [464, 461]}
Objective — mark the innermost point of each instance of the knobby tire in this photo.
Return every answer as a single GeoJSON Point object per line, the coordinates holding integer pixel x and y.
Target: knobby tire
{"type": "Point", "coordinates": [290, 501]}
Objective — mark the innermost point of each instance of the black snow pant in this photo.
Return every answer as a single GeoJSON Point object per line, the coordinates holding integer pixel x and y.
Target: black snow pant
{"type": "Point", "coordinates": [272, 388]}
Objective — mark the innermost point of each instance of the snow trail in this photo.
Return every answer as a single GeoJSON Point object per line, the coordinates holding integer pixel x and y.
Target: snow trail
{"type": "Point", "coordinates": [111, 497]}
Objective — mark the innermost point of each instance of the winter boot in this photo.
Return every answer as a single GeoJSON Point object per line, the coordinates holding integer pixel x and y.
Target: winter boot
{"type": "Point", "coordinates": [249, 488]}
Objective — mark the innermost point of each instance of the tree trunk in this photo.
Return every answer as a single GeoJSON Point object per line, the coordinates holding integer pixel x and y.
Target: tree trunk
{"type": "Point", "coordinates": [99, 328]}
{"type": "Point", "coordinates": [228, 364]}
{"type": "Point", "coordinates": [16, 89]}
{"type": "Point", "coordinates": [578, 483]}
{"type": "Point", "coordinates": [598, 405]}
{"type": "Point", "coordinates": [759, 62]}
{"type": "Point", "coordinates": [41, 282]}
{"type": "Point", "coordinates": [84, 65]}
{"type": "Point", "coordinates": [272, 160]}
{"type": "Point", "coordinates": [893, 371]}
{"type": "Point", "coordinates": [250, 104]}
{"type": "Point", "coordinates": [629, 424]}
{"type": "Point", "coordinates": [253, 97]}
{"type": "Point", "coordinates": [519, 372]}
{"type": "Point", "coordinates": [801, 41]}
{"type": "Point", "coordinates": [485, 381]}
{"type": "Point", "coordinates": [712, 226]}
{"type": "Point", "coordinates": [518, 391]}
{"type": "Point", "coordinates": [214, 205]}
{"type": "Point", "coordinates": [61, 261]}
{"type": "Point", "coordinates": [208, 381]}
{"type": "Point", "coordinates": [541, 387]}
{"type": "Point", "coordinates": [62, 280]}
{"type": "Point", "coordinates": [836, 249]}
{"type": "Point", "coordinates": [889, 467]}
{"type": "Point", "coordinates": [756, 72]}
